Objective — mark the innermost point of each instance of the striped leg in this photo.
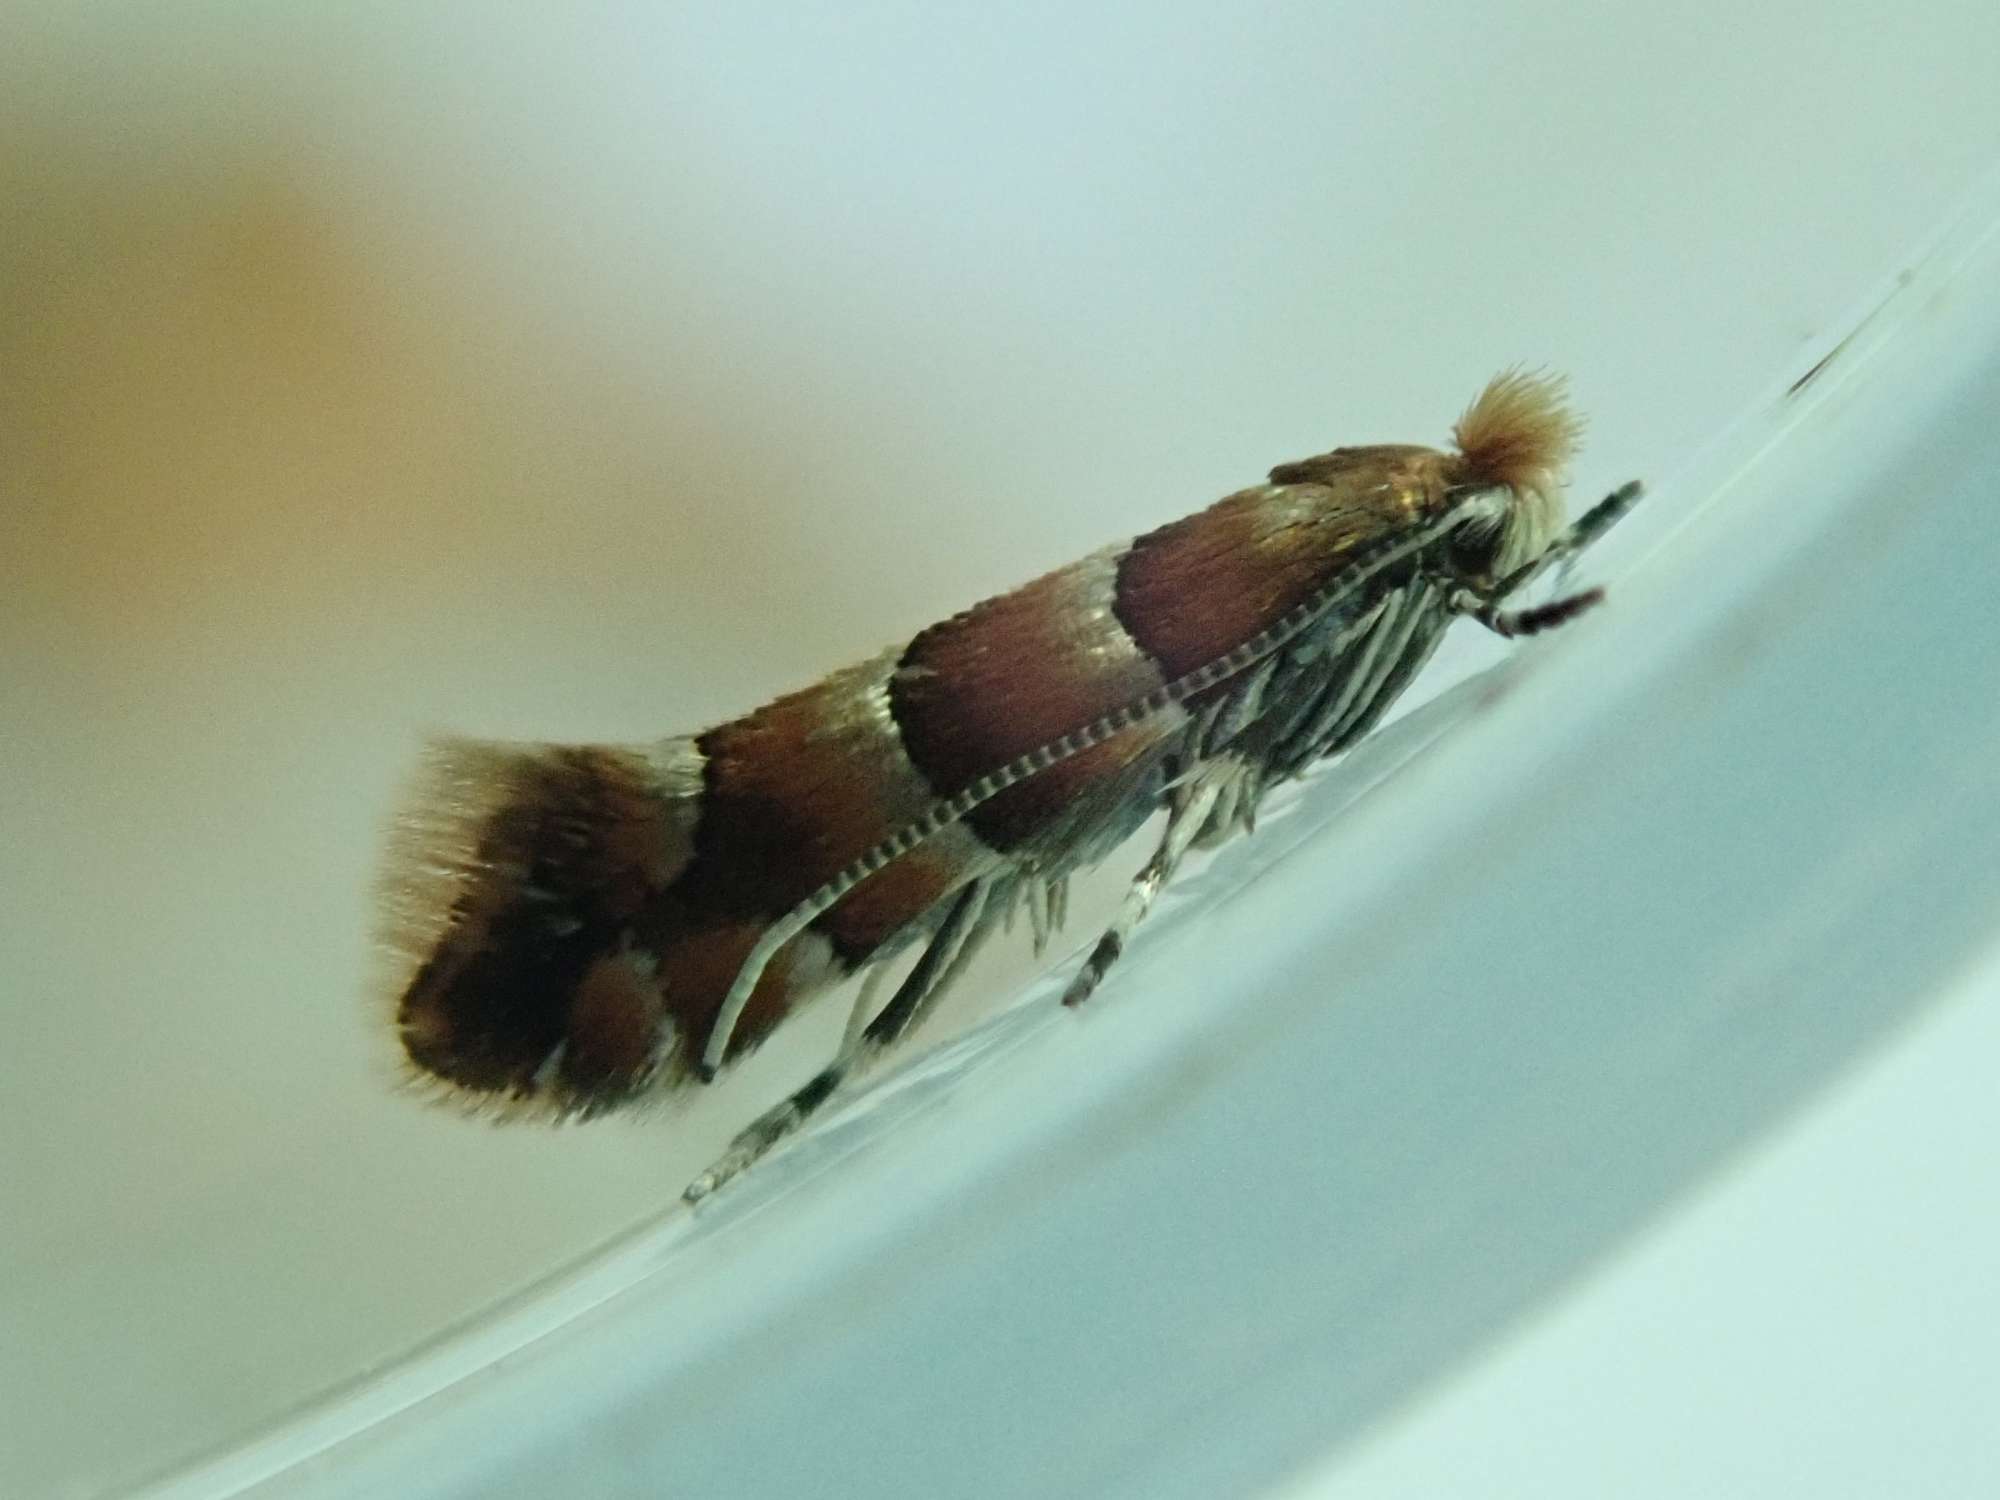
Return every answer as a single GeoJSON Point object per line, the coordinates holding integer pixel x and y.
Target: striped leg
{"type": "Point", "coordinates": [764, 1132]}
{"type": "Point", "coordinates": [942, 961]}
{"type": "Point", "coordinates": [971, 921]}
{"type": "Point", "coordinates": [1530, 621]}
{"type": "Point", "coordinates": [1564, 550]}
{"type": "Point", "coordinates": [1187, 818]}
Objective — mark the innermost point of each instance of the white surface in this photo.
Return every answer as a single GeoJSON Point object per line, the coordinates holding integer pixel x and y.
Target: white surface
{"type": "Point", "coordinates": [1820, 1321]}
{"type": "Point", "coordinates": [596, 379]}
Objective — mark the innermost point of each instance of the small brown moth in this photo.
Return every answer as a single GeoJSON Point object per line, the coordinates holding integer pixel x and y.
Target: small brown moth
{"type": "Point", "coordinates": [580, 926]}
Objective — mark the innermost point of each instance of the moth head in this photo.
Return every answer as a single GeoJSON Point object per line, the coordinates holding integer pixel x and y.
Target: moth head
{"type": "Point", "coordinates": [1514, 444]}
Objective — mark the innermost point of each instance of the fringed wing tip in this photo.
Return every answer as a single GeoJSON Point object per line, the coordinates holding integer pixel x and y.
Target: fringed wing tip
{"type": "Point", "coordinates": [433, 857]}
{"type": "Point", "coordinates": [1520, 431]}
{"type": "Point", "coordinates": [507, 991]}
{"type": "Point", "coordinates": [433, 849]}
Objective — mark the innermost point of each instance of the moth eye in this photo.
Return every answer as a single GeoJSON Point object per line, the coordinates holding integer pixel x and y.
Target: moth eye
{"type": "Point", "coordinates": [1472, 550]}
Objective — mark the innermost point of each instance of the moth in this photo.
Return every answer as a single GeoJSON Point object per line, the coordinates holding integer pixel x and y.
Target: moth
{"type": "Point", "coordinates": [579, 927]}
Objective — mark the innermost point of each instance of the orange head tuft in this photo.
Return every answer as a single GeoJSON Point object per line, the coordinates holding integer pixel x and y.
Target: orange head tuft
{"type": "Point", "coordinates": [1519, 432]}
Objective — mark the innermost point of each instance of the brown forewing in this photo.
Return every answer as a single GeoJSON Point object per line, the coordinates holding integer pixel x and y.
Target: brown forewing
{"type": "Point", "coordinates": [1196, 587]}
{"type": "Point", "coordinates": [1014, 674]}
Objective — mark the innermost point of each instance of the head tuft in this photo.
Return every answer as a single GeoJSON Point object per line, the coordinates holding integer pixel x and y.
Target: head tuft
{"type": "Point", "coordinates": [1519, 432]}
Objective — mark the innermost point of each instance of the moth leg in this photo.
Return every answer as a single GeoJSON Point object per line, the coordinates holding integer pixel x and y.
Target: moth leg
{"type": "Point", "coordinates": [764, 1132]}
{"type": "Point", "coordinates": [942, 961]}
{"type": "Point", "coordinates": [1360, 677]}
{"type": "Point", "coordinates": [1185, 821]}
{"type": "Point", "coordinates": [966, 927]}
{"type": "Point", "coordinates": [1529, 621]}
{"type": "Point", "coordinates": [1587, 528]}
{"type": "Point", "coordinates": [1040, 896]}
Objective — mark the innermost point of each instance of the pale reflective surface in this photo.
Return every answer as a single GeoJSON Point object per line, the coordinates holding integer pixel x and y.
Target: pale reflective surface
{"type": "Point", "coordinates": [359, 377]}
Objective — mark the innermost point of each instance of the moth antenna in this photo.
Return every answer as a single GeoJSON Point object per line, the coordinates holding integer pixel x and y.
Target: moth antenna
{"type": "Point", "coordinates": [941, 814]}
{"type": "Point", "coordinates": [1519, 432]}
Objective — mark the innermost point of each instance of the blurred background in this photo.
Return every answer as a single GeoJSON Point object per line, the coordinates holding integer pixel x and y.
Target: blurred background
{"type": "Point", "coordinates": [595, 373]}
